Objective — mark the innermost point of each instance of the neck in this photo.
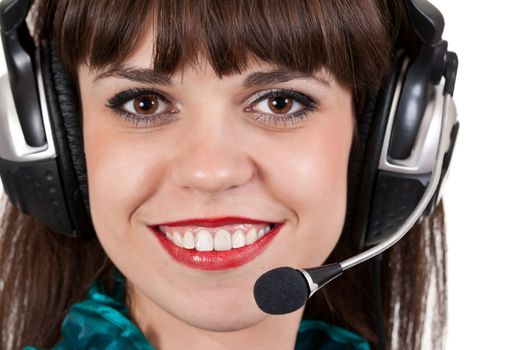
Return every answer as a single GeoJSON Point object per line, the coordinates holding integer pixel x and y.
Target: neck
{"type": "Point", "coordinates": [166, 331]}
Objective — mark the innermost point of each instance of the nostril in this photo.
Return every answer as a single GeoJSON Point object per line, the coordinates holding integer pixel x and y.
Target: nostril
{"type": "Point", "coordinates": [212, 175]}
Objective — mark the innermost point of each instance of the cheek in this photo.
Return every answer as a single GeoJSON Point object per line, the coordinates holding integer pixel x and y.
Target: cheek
{"type": "Point", "coordinates": [316, 175]}
{"type": "Point", "coordinates": [120, 175]}
{"type": "Point", "coordinates": [309, 175]}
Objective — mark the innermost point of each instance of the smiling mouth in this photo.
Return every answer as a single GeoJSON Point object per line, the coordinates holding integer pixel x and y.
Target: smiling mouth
{"type": "Point", "coordinates": [215, 244]}
{"type": "Point", "coordinates": [205, 239]}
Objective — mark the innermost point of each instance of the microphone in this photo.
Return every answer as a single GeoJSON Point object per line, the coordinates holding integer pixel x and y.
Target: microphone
{"type": "Point", "coordinates": [285, 289]}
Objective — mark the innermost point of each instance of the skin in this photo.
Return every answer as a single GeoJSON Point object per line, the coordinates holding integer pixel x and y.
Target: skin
{"type": "Point", "coordinates": [213, 159]}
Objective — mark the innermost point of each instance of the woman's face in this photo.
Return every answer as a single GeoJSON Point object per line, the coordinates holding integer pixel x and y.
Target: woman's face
{"type": "Point", "coordinates": [212, 162]}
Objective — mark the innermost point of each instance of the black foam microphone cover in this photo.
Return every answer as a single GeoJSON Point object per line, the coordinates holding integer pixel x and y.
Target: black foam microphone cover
{"type": "Point", "coordinates": [281, 290]}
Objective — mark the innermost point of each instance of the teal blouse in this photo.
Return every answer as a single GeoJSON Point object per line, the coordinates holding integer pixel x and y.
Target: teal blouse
{"type": "Point", "coordinates": [101, 321]}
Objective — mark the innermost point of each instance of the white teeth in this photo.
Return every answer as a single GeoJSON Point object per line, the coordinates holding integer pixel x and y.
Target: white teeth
{"type": "Point", "coordinates": [238, 239]}
{"type": "Point", "coordinates": [251, 236]}
{"type": "Point", "coordinates": [176, 238]}
{"type": "Point", "coordinates": [222, 240]}
{"type": "Point", "coordinates": [260, 233]}
{"type": "Point", "coordinates": [263, 231]}
{"type": "Point", "coordinates": [188, 241]}
{"type": "Point", "coordinates": [203, 241]}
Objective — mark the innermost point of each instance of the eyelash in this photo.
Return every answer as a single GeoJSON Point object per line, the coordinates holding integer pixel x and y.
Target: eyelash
{"type": "Point", "coordinates": [117, 103]}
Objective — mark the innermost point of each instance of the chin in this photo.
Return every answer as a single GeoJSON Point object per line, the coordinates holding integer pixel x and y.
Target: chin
{"type": "Point", "coordinates": [217, 316]}
{"type": "Point", "coordinates": [227, 323]}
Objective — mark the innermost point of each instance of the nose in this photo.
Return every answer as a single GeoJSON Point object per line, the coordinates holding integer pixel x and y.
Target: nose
{"type": "Point", "coordinates": [211, 160]}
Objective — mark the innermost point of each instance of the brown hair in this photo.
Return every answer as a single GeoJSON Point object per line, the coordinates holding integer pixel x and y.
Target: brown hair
{"type": "Point", "coordinates": [42, 273]}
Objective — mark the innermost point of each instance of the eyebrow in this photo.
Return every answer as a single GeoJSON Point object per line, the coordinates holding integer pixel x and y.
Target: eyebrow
{"type": "Point", "coordinates": [139, 75]}
{"type": "Point", "coordinates": [278, 76]}
{"type": "Point", "coordinates": [149, 76]}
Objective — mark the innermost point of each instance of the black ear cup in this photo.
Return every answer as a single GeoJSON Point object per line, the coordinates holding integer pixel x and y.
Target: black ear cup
{"type": "Point", "coordinates": [363, 165]}
{"type": "Point", "coordinates": [27, 159]}
{"type": "Point", "coordinates": [402, 136]}
{"type": "Point", "coordinates": [65, 117]}
{"type": "Point", "coordinates": [389, 189]}
{"type": "Point", "coordinates": [46, 181]}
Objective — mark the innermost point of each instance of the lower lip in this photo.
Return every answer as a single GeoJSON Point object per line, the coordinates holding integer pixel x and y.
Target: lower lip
{"type": "Point", "coordinates": [217, 260]}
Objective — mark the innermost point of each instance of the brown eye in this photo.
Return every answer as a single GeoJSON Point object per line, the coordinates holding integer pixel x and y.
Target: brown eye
{"type": "Point", "coordinates": [147, 104]}
{"type": "Point", "coordinates": [280, 104]}
{"type": "Point", "coordinates": [143, 108]}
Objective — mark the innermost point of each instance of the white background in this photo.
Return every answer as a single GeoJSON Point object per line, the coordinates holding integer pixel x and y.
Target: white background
{"type": "Point", "coordinates": [485, 194]}
{"type": "Point", "coordinates": [486, 189]}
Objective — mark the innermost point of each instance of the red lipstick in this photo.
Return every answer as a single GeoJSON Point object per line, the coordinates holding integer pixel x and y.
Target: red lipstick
{"type": "Point", "coordinates": [215, 260]}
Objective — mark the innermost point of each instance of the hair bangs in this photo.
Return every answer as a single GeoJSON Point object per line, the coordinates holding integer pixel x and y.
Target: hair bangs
{"type": "Point", "coordinates": [350, 39]}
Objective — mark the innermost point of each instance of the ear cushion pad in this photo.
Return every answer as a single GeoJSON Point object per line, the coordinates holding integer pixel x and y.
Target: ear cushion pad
{"type": "Point", "coordinates": [355, 172]}
{"type": "Point", "coordinates": [364, 160]}
{"type": "Point", "coordinates": [64, 114]}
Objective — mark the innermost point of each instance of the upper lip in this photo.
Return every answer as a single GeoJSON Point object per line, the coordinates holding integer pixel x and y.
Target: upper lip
{"type": "Point", "coordinates": [215, 222]}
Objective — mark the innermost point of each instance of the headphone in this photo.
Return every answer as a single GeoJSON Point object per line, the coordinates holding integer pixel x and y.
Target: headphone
{"type": "Point", "coordinates": [42, 161]}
